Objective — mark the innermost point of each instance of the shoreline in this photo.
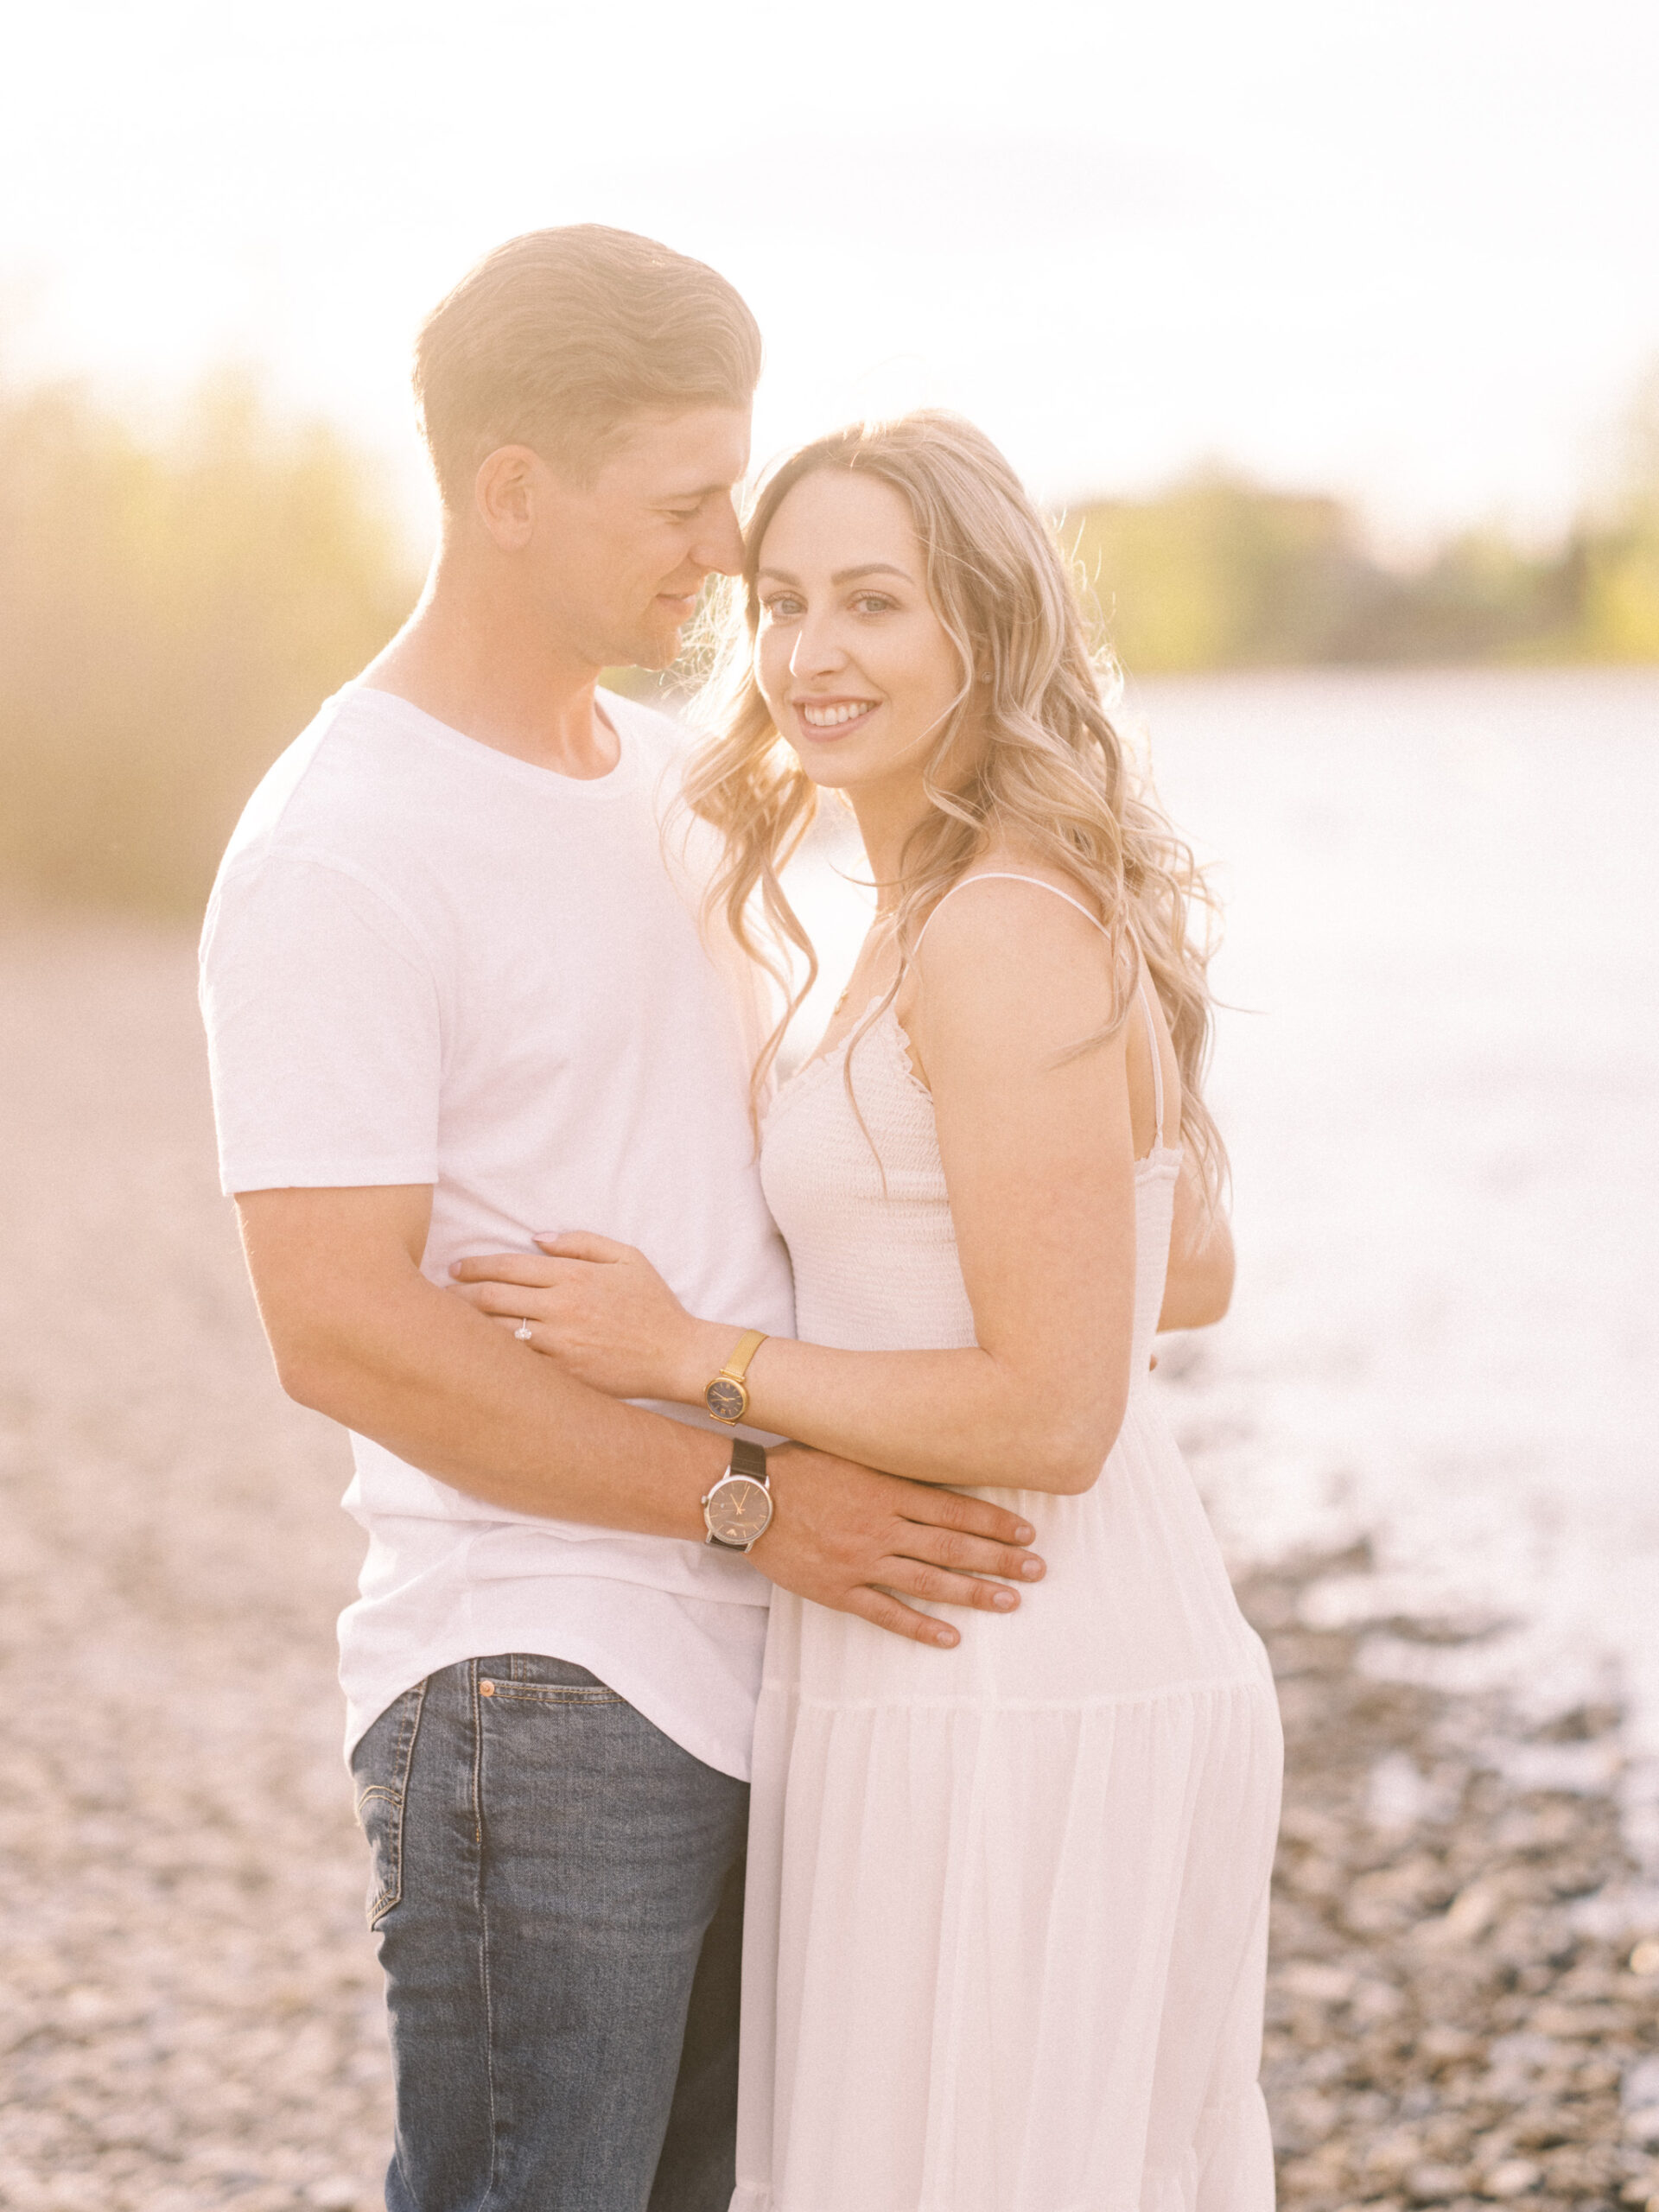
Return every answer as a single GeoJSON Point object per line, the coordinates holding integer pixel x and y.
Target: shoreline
{"type": "Point", "coordinates": [1463, 2001]}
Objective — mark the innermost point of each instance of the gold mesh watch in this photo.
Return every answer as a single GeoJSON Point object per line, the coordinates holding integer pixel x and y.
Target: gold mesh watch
{"type": "Point", "coordinates": [727, 1397]}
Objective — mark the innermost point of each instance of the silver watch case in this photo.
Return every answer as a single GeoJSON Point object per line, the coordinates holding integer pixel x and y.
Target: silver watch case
{"type": "Point", "coordinates": [737, 1511]}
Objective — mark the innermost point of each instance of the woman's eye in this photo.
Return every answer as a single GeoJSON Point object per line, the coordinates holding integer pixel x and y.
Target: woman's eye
{"type": "Point", "coordinates": [783, 609]}
{"type": "Point", "coordinates": [872, 602]}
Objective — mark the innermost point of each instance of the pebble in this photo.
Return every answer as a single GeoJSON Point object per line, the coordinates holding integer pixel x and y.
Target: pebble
{"type": "Point", "coordinates": [1459, 2011]}
{"type": "Point", "coordinates": [190, 2009]}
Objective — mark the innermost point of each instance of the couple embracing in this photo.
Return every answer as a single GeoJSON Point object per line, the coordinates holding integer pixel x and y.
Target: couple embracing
{"type": "Point", "coordinates": [781, 1579]}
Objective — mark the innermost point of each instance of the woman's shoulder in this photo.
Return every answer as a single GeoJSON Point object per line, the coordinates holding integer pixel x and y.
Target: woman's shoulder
{"type": "Point", "coordinates": [1003, 883]}
{"type": "Point", "coordinates": [1010, 963]}
{"type": "Point", "coordinates": [1013, 944]}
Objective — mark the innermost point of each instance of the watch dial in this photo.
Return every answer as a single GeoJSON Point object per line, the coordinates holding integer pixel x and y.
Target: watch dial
{"type": "Point", "coordinates": [725, 1399]}
{"type": "Point", "coordinates": [739, 1510]}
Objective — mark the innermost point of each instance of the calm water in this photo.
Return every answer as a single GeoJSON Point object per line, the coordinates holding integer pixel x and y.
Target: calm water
{"type": "Point", "coordinates": [1439, 1083]}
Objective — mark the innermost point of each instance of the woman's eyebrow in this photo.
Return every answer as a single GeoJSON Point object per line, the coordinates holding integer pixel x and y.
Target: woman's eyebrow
{"type": "Point", "coordinates": [842, 576]}
{"type": "Point", "coordinates": [869, 568]}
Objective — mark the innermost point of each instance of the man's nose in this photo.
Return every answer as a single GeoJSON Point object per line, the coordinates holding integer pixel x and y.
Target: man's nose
{"type": "Point", "coordinates": [722, 548]}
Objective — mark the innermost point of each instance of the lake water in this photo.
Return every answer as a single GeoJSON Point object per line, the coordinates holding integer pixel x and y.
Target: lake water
{"type": "Point", "coordinates": [1438, 1078]}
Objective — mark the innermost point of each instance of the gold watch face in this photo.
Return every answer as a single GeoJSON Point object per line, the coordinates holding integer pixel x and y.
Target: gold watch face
{"type": "Point", "coordinates": [738, 1511]}
{"type": "Point", "coordinates": [726, 1398]}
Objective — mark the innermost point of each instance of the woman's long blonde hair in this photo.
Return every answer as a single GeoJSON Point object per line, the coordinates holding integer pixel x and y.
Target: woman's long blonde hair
{"type": "Point", "coordinates": [1048, 775]}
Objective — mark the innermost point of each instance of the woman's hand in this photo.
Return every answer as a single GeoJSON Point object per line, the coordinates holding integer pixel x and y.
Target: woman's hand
{"type": "Point", "coordinates": [602, 1312]}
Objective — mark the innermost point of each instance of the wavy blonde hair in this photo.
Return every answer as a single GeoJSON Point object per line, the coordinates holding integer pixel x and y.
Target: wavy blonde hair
{"type": "Point", "coordinates": [1045, 771]}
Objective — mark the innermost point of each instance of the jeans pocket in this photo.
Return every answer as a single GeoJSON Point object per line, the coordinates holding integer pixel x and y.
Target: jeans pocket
{"type": "Point", "coordinates": [380, 1767]}
{"type": "Point", "coordinates": [528, 1678]}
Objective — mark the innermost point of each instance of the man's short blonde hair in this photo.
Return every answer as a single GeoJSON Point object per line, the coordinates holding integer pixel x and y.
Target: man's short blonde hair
{"type": "Point", "coordinates": [557, 338]}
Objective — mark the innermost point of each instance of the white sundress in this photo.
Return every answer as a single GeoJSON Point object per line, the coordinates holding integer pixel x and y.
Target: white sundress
{"type": "Point", "coordinates": [1007, 1915]}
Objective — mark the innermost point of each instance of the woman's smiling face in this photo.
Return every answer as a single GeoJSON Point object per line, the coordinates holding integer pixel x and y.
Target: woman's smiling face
{"type": "Point", "coordinates": [857, 668]}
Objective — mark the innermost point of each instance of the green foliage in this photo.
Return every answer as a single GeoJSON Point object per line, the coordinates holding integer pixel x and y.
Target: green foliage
{"type": "Point", "coordinates": [1217, 574]}
{"type": "Point", "coordinates": [1620, 561]}
{"type": "Point", "coordinates": [1222, 573]}
{"type": "Point", "coordinates": [170, 619]}
{"type": "Point", "coordinates": [1621, 596]}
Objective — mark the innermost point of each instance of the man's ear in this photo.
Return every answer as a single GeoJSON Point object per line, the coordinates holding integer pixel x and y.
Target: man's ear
{"type": "Point", "coordinates": [510, 484]}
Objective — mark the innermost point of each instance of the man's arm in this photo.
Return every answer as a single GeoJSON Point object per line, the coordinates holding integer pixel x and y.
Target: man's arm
{"type": "Point", "coordinates": [359, 1334]}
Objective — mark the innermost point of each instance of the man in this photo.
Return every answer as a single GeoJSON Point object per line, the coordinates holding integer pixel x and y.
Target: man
{"type": "Point", "coordinates": [455, 999]}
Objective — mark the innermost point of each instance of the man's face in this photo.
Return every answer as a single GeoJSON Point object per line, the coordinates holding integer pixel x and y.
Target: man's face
{"type": "Point", "coordinates": [619, 562]}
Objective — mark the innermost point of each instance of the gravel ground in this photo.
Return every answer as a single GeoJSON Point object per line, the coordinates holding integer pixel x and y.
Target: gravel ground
{"type": "Point", "coordinates": [1461, 2011]}
{"type": "Point", "coordinates": [1463, 2005]}
{"type": "Point", "coordinates": [189, 2007]}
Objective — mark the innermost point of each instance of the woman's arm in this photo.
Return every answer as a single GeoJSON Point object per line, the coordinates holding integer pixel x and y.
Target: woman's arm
{"type": "Point", "coordinates": [1200, 1288]}
{"type": "Point", "coordinates": [1038, 1161]}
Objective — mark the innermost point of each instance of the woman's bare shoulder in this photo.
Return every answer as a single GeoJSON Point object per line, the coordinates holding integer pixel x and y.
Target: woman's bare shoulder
{"type": "Point", "coordinates": [1005, 954]}
{"type": "Point", "coordinates": [1003, 881]}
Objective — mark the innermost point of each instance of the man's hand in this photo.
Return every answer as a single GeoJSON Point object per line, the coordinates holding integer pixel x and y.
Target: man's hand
{"type": "Point", "coordinates": [361, 1335]}
{"type": "Point", "coordinates": [851, 1538]}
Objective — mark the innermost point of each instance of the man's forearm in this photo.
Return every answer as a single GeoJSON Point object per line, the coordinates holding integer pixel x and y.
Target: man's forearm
{"type": "Point", "coordinates": [420, 1372]}
{"type": "Point", "coordinates": [360, 1333]}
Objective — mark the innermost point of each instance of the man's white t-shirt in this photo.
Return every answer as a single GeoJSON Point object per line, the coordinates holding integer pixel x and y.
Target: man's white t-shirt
{"type": "Point", "coordinates": [427, 961]}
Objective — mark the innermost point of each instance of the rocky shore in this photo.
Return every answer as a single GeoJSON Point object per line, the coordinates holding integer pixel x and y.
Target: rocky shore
{"type": "Point", "coordinates": [1464, 1997]}
{"type": "Point", "coordinates": [1463, 2004]}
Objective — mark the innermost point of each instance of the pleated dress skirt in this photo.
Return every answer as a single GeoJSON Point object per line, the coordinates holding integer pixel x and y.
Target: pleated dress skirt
{"type": "Point", "coordinates": [1007, 1904]}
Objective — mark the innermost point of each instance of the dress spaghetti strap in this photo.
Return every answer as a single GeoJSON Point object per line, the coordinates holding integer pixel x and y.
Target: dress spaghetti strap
{"type": "Point", "coordinates": [1007, 875]}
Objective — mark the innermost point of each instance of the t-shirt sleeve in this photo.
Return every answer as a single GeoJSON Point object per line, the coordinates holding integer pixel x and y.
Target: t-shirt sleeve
{"type": "Point", "coordinates": [323, 1032]}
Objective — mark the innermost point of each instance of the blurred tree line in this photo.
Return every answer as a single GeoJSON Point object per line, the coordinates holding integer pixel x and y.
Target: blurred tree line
{"type": "Point", "coordinates": [1221, 573]}
{"type": "Point", "coordinates": [172, 610]}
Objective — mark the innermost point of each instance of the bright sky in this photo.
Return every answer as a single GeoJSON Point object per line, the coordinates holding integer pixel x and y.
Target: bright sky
{"type": "Point", "coordinates": [1407, 249]}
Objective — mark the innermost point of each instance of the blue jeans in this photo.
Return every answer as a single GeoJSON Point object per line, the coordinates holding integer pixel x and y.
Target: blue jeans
{"type": "Point", "coordinates": [557, 1889]}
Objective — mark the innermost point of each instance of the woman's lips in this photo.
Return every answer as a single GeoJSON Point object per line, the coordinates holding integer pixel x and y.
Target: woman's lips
{"type": "Point", "coordinates": [837, 717]}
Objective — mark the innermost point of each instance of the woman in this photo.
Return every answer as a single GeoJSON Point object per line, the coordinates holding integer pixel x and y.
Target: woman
{"type": "Point", "coordinates": [1008, 1897]}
